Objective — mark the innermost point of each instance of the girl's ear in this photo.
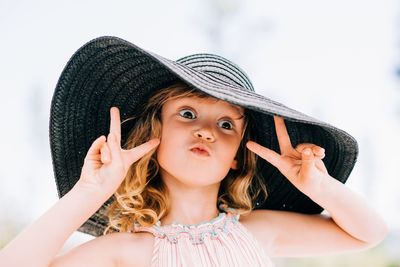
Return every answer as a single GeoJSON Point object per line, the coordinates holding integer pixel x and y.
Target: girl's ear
{"type": "Point", "coordinates": [234, 164]}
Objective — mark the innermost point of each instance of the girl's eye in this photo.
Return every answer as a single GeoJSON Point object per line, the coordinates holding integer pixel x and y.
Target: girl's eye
{"type": "Point", "coordinates": [226, 124]}
{"type": "Point", "coordinates": [187, 113]}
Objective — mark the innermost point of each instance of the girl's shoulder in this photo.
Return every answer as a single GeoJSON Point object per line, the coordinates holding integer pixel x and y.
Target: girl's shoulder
{"type": "Point", "coordinates": [135, 249]}
{"type": "Point", "coordinates": [115, 249]}
{"type": "Point", "coordinates": [271, 224]}
{"type": "Point", "coordinates": [292, 234]}
{"type": "Point", "coordinates": [272, 228]}
{"type": "Point", "coordinates": [259, 223]}
{"type": "Point", "coordinates": [268, 221]}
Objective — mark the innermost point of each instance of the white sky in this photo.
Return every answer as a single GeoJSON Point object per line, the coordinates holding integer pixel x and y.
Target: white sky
{"type": "Point", "coordinates": [334, 60]}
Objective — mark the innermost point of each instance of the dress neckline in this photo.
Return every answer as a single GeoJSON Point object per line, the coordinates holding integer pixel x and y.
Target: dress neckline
{"type": "Point", "coordinates": [196, 232]}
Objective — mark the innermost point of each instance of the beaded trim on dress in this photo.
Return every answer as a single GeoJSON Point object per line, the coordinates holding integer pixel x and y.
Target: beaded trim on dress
{"type": "Point", "coordinates": [195, 232]}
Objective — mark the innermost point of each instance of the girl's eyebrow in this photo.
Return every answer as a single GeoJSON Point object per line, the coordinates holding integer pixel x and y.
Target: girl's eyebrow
{"type": "Point", "coordinates": [238, 118]}
{"type": "Point", "coordinates": [239, 111]}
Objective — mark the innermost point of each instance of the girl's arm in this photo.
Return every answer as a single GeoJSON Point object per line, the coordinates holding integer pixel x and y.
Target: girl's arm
{"type": "Point", "coordinates": [40, 242]}
{"type": "Point", "coordinates": [353, 225]}
{"type": "Point", "coordinates": [104, 169]}
{"type": "Point", "coordinates": [349, 211]}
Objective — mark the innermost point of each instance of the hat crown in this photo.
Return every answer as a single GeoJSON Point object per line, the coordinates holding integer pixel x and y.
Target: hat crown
{"type": "Point", "coordinates": [218, 67]}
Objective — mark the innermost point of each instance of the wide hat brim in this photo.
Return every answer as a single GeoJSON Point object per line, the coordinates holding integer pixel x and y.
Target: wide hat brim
{"type": "Point", "coordinates": [109, 71]}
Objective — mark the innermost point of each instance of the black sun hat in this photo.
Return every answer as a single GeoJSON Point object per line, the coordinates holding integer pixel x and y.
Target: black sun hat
{"type": "Point", "coordinates": [109, 71]}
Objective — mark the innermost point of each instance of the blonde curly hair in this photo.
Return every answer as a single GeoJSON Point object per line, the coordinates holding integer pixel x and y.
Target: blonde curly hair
{"type": "Point", "coordinates": [143, 197]}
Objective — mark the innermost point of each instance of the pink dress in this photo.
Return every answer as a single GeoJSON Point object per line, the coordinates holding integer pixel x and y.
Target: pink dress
{"type": "Point", "coordinates": [222, 241]}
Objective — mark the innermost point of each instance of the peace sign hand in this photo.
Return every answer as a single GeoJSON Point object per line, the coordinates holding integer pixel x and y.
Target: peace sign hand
{"type": "Point", "coordinates": [106, 163]}
{"type": "Point", "coordinates": [302, 166]}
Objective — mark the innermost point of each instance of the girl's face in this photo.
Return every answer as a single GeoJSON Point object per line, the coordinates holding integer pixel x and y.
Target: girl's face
{"type": "Point", "coordinates": [199, 140]}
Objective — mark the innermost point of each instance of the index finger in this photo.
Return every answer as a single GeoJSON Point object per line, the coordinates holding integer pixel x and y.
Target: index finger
{"type": "Point", "coordinates": [266, 153]}
{"type": "Point", "coordinates": [283, 137]}
{"type": "Point", "coordinates": [115, 123]}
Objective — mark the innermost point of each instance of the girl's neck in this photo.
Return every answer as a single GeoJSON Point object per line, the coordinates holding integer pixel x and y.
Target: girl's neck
{"type": "Point", "coordinates": [189, 204]}
{"type": "Point", "coordinates": [190, 216]}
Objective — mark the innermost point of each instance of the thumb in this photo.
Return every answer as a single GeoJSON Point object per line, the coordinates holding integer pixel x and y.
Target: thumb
{"type": "Point", "coordinates": [265, 153]}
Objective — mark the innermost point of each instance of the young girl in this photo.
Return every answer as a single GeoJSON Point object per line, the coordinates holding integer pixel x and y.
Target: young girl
{"type": "Point", "coordinates": [209, 173]}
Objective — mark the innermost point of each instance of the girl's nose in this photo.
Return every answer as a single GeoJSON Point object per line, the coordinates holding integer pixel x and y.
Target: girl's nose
{"type": "Point", "coordinates": [205, 135]}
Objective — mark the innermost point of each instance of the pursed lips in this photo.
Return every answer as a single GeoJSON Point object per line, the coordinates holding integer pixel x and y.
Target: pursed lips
{"type": "Point", "coordinates": [200, 150]}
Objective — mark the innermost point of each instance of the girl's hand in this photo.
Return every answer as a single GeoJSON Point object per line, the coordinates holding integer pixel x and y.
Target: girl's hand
{"type": "Point", "coordinates": [106, 163]}
{"type": "Point", "coordinates": [302, 166]}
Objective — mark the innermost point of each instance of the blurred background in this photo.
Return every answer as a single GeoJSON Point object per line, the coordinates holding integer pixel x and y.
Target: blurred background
{"type": "Point", "coordinates": [337, 61]}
